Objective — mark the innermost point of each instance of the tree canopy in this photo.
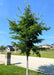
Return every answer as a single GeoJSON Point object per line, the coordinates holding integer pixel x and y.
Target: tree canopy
{"type": "Point", "coordinates": [27, 30]}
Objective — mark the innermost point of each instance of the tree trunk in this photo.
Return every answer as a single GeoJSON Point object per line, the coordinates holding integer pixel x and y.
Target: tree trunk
{"type": "Point", "coordinates": [27, 67]}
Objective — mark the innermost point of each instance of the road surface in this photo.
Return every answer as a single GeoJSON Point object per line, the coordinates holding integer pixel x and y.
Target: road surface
{"type": "Point", "coordinates": [45, 65]}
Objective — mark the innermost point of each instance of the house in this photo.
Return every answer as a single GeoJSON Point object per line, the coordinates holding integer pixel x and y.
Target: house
{"type": "Point", "coordinates": [45, 46]}
{"type": "Point", "coordinates": [52, 46]}
{"type": "Point", "coordinates": [9, 48]}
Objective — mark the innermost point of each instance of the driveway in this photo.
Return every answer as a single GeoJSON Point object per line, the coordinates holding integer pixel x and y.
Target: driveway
{"type": "Point", "coordinates": [45, 65]}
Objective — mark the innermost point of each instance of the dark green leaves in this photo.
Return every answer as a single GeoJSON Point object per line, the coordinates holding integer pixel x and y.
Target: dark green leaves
{"type": "Point", "coordinates": [27, 30]}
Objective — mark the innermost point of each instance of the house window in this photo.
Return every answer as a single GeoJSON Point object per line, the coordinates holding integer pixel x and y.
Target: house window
{"type": "Point", "coordinates": [51, 47]}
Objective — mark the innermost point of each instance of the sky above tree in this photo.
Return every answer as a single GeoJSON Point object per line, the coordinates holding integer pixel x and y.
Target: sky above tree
{"type": "Point", "coordinates": [8, 9]}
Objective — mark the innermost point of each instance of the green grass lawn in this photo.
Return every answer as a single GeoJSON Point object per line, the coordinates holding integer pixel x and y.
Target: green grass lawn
{"type": "Point", "coordinates": [15, 70]}
{"type": "Point", "coordinates": [46, 54]}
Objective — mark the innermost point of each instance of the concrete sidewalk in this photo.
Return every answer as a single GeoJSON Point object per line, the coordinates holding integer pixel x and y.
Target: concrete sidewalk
{"type": "Point", "coordinates": [45, 65]}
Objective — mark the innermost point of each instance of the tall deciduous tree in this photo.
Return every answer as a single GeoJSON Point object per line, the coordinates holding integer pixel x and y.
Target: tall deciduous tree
{"type": "Point", "coordinates": [27, 31]}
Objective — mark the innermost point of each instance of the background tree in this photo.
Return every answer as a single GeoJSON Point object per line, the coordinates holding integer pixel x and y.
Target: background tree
{"type": "Point", "coordinates": [27, 31]}
{"type": "Point", "coordinates": [2, 47]}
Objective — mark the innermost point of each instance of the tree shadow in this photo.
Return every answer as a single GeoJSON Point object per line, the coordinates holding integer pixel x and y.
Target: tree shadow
{"type": "Point", "coordinates": [17, 63]}
{"type": "Point", "coordinates": [47, 69]}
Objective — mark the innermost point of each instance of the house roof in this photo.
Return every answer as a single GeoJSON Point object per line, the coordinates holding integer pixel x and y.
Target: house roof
{"type": "Point", "coordinates": [45, 45]}
{"type": "Point", "coordinates": [9, 46]}
{"type": "Point", "coordinates": [52, 44]}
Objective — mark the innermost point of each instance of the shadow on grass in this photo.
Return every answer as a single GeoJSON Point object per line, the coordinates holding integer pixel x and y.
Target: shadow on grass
{"type": "Point", "coordinates": [37, 73]}
{"type": "Point", "coordinates": [17, 63]}
{"type": "Point", "coordinates": [49, 69]}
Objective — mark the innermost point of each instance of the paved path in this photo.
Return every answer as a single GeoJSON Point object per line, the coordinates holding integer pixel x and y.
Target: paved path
{"type": "Point", "coordinates": [45, 65]}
